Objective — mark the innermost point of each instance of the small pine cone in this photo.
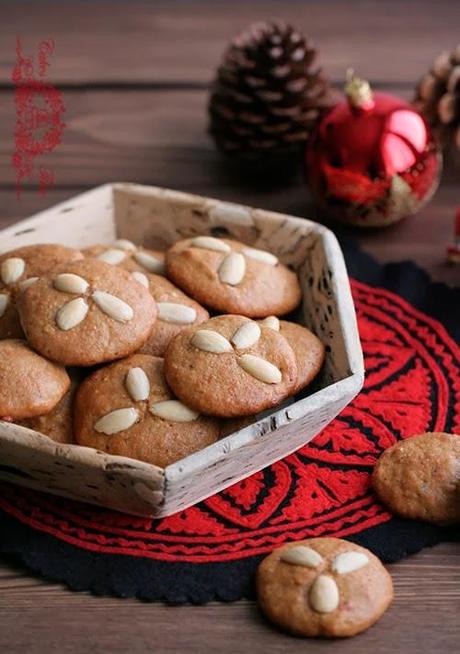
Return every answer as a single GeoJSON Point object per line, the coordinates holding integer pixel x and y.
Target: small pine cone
{"type": "Point", "coordinates": [438, 97]}
{"type": "Point", "coordinates": [267, 97]}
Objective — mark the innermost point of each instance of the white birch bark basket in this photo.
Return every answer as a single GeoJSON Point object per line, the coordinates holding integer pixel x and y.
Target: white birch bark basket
{"type": "Point", "coordinates": [156, 218]}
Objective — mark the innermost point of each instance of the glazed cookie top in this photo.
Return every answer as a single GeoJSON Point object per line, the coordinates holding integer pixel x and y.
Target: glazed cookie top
{"type": "Point", "coordinates": [175, 312]}
{"type": "Point", "coordinates": [30, 385]}
{"type": "Point", "coordinates": [323, 587]}
{"type": "Point", "coordinates": [308, 349]}
{"type": "Point", "coordinates": [231, 277]}
{"type": "Point", "coordinates": [21, 267]}
{"type": "Point", "coordinates": [419, 478]}
{"type": "Point", "coordinates": [230, 366]}
{"type": "Point", "coordinates": [87, 312]}
{"type": "Point", "coordinates": [129, 256]}
{"type": "Point", "coordinates": [127, 409]}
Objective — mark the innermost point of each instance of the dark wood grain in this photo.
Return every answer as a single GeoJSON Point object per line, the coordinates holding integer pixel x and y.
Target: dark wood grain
{"type": "Point", "coordinates": [159, 137]}
{"type": "Point", "coordinates": [134, 77]}
{"type": "Point", "coordinates": [145, 136]}
{"type": "Point", "coordinates": [181, 41]}
{"type": "Point", "coordinates": [37, 617]}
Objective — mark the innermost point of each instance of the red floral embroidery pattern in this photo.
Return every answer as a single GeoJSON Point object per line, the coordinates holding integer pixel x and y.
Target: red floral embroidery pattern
{"type": "Point", "coordinates": [412, 385]}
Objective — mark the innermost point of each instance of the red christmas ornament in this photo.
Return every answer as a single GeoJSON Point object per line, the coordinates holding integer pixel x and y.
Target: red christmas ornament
{"type": "Point", "coordinates": [373, 159]}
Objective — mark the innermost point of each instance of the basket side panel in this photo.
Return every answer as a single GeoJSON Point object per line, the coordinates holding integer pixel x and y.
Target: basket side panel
{"type": "Point", "coordinates": [189, 481]}
{"type": "Point", "coordinates": [83, 220]}
{"type": "Point", "coordinates": [159, 217]}
{"type": "Point", "coordinates": [30, 459]}
{"type": "Point", "coordinates": [328, 310]}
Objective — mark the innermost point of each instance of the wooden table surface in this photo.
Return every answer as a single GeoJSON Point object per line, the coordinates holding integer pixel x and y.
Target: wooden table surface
{"type": "Point", "coordinates": [135, 77]}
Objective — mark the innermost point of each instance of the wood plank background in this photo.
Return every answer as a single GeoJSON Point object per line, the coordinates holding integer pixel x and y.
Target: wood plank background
{"type": "Point", "coordinates": [135, 84]}
{"type": "Point", "coordinates": [179, 41]}
{"type": "Point", "coordinates": [38, 618]}
{"type": "Point", "coordinates": [135, 77]}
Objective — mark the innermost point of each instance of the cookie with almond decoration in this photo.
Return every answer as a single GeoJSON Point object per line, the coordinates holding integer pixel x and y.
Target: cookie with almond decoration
{"type": "Point", "coordinates": [127, 409]}
{"type": "Point", "coordinates": [230, 366]}
{"type": "Point", "coordinates": [129, 256]}
{"type": "Point", "coordinates": [30, 385]}
{"type": "Point", "coordinates": [87, 312]}
{"type": "Point", "coordinates": [231, 277]}
{"type": "Point", "coordinates": [308, 349]}
{"type": "Point", "coordinates": [323, 587]}
{"type": "Point", "coordinates": [20, 268]}
{"type": "Point", "coordinates": [175, 312]}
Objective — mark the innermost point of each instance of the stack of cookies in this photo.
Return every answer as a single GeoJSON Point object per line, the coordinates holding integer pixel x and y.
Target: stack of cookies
{"type": "Point", "coordinates": [147, 354]}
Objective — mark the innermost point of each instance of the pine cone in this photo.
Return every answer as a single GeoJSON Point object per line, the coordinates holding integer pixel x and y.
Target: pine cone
{"type": "Point", "coordinates": [267, 96]}
{"type": "Point", "coordinates": [438, 97]}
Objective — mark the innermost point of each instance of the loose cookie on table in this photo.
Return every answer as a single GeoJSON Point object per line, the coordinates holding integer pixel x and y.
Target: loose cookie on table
{"type": "Point", "coordinates": [231, 277]}
{"type": "Point", "coordinates": [129, 256]}
{"type": "Point", "coordinates": [308, 349]}
{"type": "Point", "coordinates": [30, 385]}
{"type": "Point", "coordinates": [323, 587]}
{"type": "Point", "coordinates": [230, 366]}
{"type": "Point", "coordinates": [127, 409]}
{"type": "Point", "coordinates": [175, 312]}
{"type": "Point", "coordinates": [419, 478]}
{"type": "Point", "coordinates": [87, 312]}
{"type": "Point", "coordinates": [21, 267]}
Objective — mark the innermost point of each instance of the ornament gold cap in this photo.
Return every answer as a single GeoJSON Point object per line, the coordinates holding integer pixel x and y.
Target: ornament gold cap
{"type": "Point", "coordinates": [358, 91]}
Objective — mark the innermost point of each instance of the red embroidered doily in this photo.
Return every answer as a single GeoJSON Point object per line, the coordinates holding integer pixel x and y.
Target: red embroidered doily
{"type": "Point", "coordinates": [412, 386]}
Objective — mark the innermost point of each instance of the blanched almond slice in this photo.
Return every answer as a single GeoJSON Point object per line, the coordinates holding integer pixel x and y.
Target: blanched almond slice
{"type": "Point", "coordinates": [210, 243]}
{"type": "Point", "coordinates": [70, 283]}
{"type": "Point", "coordinates": [301, 555]}
{"type": "Point", "coordinates": [4, 302]}
{"type": "Point", "coordinates": [137, 384]}
{"type": "Point", "coordinates": [272, 322]}
{"type": "Point", "coordinates": [141, 278]}
{"type": "Point", "coordinates": [112, 306]}
{"type": "Point", "coordinates": [12, 269]}
{"type": "Point", "coordinates": [261, 255]}
{"type": "Point", "coordinates": [124, 244]}
{"type": "Point", "coordinates": [27, 282]}
{"type": "Point", "coordinates": [349, 562]}
{"type": "Point", "coordinates": [112, 256]}
{"type": "Point", "coordinates": [71, 314]}
{"type": "Point", "coordinates": [150, 263]}
{"type": "Point", "coordinates": [259, 368]}
{"type": "Point", "coordinates": [173, 410]}
{"type": "Point", "coordinates": [176, 313]}
{"type": "Point", "coordinates": [231, 270]}
{"type": "Point", "coordinates": [324, 594]}
{"type": "Point", "coordinates": [246, 335]}
{"type": "Point", "coordinates": [210, 341]}
{"type": "Point", "coordinates": [116, 421]}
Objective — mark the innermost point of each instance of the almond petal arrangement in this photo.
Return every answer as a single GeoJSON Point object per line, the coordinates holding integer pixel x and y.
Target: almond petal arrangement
{"type": "Point", "coordinates": [323, 587]}
{"type": "Point", "coordinates": [240, 269]}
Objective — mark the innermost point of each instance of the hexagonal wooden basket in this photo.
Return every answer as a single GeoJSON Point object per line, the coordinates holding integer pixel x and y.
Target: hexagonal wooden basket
{"type": "Point", "coordinates": [157, 218]}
